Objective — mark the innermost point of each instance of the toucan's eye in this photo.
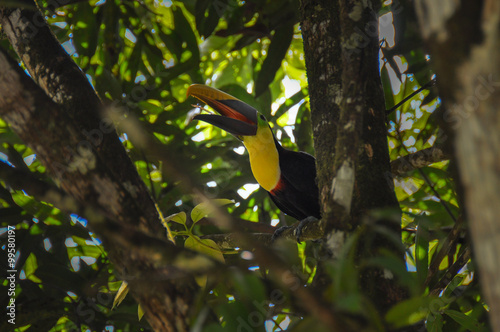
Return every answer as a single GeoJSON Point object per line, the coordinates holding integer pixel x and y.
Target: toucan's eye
{"type": "Point", "coordinates": [262, 117]}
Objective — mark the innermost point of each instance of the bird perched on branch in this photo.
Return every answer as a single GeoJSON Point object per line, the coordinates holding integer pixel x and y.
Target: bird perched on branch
{"type": "Point", "coordinates": [288, 176]}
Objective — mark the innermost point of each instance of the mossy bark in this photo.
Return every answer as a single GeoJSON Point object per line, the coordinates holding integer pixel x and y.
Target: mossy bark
{"type": "Point", "coordinates": [348, 117]}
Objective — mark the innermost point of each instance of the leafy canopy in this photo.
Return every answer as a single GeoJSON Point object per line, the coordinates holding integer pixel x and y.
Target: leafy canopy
{"type": "Point", "coordinates": [141, 56]}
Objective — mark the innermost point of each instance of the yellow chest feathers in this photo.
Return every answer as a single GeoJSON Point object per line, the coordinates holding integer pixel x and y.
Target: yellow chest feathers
{"type": "Point", "coordinates": [264, 158]}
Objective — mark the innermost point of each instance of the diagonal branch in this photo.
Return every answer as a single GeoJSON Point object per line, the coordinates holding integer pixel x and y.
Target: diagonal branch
{"type": "Point", "coordinates": [128, 236]}
{"type": "Point", "coordinates": [63, 149]}
{"type": "Point", "coordinates": [462, 259]}
{"type": "Point", "coordinates": [64, 82]}
{"type": "Point", "coordinates": [411, 95]}
{"type": "Point", "coordinates": [246, 225]}
{"type": "Point", "coordinates": [419, 159]}
{"type": "Point", "coordinates": [55, 138]}
{"type": "Point", "coordinates": [311, 231]}
{"type": "Point", "coordinates": [448, 244]}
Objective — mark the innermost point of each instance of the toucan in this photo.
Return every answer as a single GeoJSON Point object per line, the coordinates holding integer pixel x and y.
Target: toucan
{"type": "Point", "coordinates": [288, 176]}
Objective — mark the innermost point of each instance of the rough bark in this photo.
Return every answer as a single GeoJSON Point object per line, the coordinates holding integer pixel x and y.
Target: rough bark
{"type": "Point", "coordinates": [419, 159]}
{"type": "Point", "coordinates": [164, 293]}
{"type": "Point", "coordinates": [464, 42]}
{"type": "Point", "coordinates": [56, 73]}
{"type": "Point", "coordinates": [63, 124]}
{"type": "Point", "coordinates": [348, 118]}
{"type": "Point", "coordinates": [320, 31]}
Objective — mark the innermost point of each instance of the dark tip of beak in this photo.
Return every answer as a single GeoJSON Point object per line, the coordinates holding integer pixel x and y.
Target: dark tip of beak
{"type": "Point", "coordinates": [232, 126]}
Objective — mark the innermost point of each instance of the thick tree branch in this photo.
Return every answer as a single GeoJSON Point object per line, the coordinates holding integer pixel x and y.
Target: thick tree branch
{"type": "Point", "coordinates": [34, 117]}
{"type": "Point", "coordinates": [64, 82]}
{"type": "Point", "coordinates": [140, 243]}
{"type": "Point", "coordinates": [419, 159]}
{"type": "Point", "coordinates": [56, 140]}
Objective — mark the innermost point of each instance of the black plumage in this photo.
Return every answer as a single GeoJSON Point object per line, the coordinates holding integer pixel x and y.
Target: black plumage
{"type": "Point", "coordinates": [297, 192]}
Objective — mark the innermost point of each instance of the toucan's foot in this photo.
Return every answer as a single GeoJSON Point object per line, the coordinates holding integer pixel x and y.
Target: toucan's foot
{"type": "Point", "coordinates": [297, 229]}
{"type": "Point", "coordinates": [277, 234]}
{"type": "Point", "coordinates": [301, 225]}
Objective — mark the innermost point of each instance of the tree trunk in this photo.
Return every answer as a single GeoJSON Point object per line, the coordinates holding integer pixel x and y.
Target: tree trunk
{"type": "Point", "coordinates": [348, 118]}
{"type": "Point", "coordinates": [463, 39]}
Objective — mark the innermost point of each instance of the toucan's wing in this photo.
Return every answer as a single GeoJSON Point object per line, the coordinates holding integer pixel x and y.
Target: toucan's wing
{"type": "Point", "coordinates": [300, 170]}
{"type": "Point", "coordinates": [298, 195]}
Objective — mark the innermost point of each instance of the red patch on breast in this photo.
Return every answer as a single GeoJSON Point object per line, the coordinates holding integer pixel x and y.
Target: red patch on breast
{"type": "Point", "coordinates": [280, 186]}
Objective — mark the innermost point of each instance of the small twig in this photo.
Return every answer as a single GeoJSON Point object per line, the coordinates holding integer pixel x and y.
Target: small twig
{"type": "Point", "coordinates": [452, 271]}
{"type": "Point", "coordinates": [311, 231]}
{"type": "Point", "coordinates": [431, 185]}
{"type": "Point", "coordinates": [231, 241]}
{"type": "Point", "coordinates": [143, 5]}
{"type": "Point", "coordinates": [411, 95]}
{"type": "Point", "coordinates": [246, 225]}
{"type": "Point", "coordinates": [276, 323]}
{"type": "Point", "coordinates": [449, 243]}
{"type": "Point", "coordinates": [152, 189]}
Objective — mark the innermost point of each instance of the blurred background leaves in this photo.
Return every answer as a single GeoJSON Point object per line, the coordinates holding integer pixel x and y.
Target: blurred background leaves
{"type": "Point", "coordinates": [141, 56]}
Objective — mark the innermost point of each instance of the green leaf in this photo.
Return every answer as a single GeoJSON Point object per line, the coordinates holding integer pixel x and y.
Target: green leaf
{"type": "Point", "coordinates": [422, 251]}
{"type": "Point", "coordinates": [303, 132]}
{"type": "Point", "coordinates": [236, 317]}
{"type": "Point", "coordinates": [386, 83]}
{"type": "Point", "coordinates": [120, 295]}
{"type": "Point", "coordinates": [249, 287]}
{"type": "Point", "coordinates": [434, 322]}
{"type": "Point", "coordinates": [208, 13]}
{"type": "Point", "coordinates": [172, 42]}
{"type": "Point", "coordinates": [205, 246]}
{"type": "Point", "coordinates": [140, 312]}
{"type": "Point", "coordinates": [30, 266]}
{"type": "Point", "coordinates": [86, 31]}
{"type": "Point", "coordinates": [351, 303]}
{"type": "Point", "coordinates": [183, 28]}
{"type": "Point", "coordinates": [179, 218]}
{"type": "Point", "coordinates": [207, 208]}
{"type": "Point", "coordinates": [455, 282]}
{"type": "Point", "coordinates": [239, 92]}
{"type": "Point", "coordinates": [409, 311]}
{"type": "Point", "coordinates": [134, 60]}
{"type": "Point", "coordinates": [276, 52]}
{"type": "Point", "coordinates": [107, 82]}
{"type": "Point", "coordinates": [289, 103]}
{"type": "Point", "coordinates": [465, 321]}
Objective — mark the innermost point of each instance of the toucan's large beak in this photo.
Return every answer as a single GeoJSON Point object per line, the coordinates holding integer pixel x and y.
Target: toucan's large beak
{"type": "Point", "coordinates": [236, 117]}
